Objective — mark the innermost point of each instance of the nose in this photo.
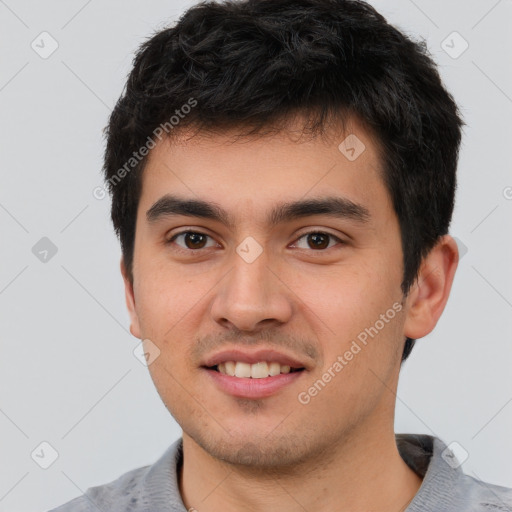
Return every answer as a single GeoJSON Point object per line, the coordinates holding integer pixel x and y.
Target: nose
{"type": "Point", "coordinates": [252, 297]}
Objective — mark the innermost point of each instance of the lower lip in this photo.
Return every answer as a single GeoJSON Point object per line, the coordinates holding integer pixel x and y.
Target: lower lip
{"type": "Point", "coordinates": [253, 388]}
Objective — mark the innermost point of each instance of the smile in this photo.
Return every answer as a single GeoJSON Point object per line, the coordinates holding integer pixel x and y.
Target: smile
{"type": "Point", "coordinates": [260, 370]}
{"type": "Point", "coordinates": [262, 384]}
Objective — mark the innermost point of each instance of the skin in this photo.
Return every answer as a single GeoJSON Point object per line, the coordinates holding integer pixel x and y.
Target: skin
{"type": "Point", "coordinates": [338, 451]}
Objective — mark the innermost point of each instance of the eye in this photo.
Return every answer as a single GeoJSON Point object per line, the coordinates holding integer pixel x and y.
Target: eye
{"type": "Point", "coordinates": [191, 240]}
{"type": "Point", "coordinates": [318, 240]}
{"type": "Point", "coordinates": [195, 240]}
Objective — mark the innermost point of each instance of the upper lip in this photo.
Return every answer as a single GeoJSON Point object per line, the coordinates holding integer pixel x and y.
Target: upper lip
{"type": "Point", "coordinates": [251, 357]}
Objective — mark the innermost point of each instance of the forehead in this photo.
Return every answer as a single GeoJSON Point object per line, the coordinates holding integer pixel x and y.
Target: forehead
{"type": "Point", "coordinates": [254, 174]}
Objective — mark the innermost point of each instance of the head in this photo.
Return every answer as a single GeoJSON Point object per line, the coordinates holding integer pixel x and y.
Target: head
{"type": "Point", "coordinates": [247, 106]}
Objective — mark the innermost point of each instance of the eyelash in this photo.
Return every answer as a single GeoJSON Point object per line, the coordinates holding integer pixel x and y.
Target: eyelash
{"type": "Point", "coordinates": [186, 250]}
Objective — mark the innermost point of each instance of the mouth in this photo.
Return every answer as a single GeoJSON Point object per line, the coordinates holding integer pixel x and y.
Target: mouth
{"type": "Point", "coordinates": [256, 374]}
{"type": "Point", "coordinates": [259, 370]}
{"type": "Point", "coordinates": [252, 380]}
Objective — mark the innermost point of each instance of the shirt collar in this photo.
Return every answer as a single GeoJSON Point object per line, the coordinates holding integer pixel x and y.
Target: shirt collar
{"type": "Point", "coordinates": [424, 454]}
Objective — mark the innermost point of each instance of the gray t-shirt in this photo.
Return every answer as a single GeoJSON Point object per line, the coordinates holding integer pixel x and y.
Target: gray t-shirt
{"type": "Point", "coordinates": [445, 487]}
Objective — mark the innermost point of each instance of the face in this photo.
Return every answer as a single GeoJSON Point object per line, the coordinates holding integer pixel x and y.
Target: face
{"type": "Point", "coordinates": [251, 277]}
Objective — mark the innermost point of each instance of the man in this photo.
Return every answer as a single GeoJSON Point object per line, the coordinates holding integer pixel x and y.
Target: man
{"type": "Point", "coordinates": [282, 177]}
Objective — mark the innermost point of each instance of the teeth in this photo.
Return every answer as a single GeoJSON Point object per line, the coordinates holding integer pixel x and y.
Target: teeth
{"type": "Point", "coordinates": [256, 371]}
{"type": "Point", "coordinates": [243, 370]}
{"type": "Point", "coordinates": [230, 368]}
{"type": "Point", "coordinates": [274, 369]}
{"type": "Point", "coordinates": [259, 370]}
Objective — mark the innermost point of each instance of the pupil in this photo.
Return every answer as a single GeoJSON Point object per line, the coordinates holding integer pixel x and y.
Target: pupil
{"type": "Point", "coordinates": [319, 240]}
{"type": "Point", "coordinates": [195, 240]}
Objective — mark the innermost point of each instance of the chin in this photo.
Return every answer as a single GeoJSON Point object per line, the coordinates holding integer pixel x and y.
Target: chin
{"type": "Point", "coordinates": [253, 449]}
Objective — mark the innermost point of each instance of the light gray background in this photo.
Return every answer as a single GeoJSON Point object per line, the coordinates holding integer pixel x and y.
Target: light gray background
{"type": "Point", "coordinates": [67, 369]}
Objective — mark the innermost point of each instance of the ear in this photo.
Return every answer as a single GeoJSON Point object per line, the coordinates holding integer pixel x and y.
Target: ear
{"type": "Point", "coordinates": [130, 302]}
{"type": "Point", "coordinates": [428, 295]}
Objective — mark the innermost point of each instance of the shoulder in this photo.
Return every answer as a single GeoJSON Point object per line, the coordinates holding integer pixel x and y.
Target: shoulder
{"type": "Point", "coordinates": [123, 493]}
{"type": "Point", "coordinates": [482, 496]}
{"type": "Point", "coordinates": [445, 485]}
{"type": "Point", "coordinates": [152, 487]}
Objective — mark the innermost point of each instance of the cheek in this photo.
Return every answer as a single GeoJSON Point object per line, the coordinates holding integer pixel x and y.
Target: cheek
{"type": "Point", "coordinates": [346, 297]}
{"type": "Point", "coordinates": [357, 310]}
{"type": "Point", "coordinates": [166, 293]}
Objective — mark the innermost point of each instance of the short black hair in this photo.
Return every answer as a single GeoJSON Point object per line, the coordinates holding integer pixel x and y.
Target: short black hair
{"type": "Point", "coordinates": [253, 64]}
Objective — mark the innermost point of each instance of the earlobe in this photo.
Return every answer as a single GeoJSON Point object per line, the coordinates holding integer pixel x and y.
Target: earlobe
{"type": "Point", "coordinates": [130, 302]}
{"type": "Point", "coordinates": [429, 294]}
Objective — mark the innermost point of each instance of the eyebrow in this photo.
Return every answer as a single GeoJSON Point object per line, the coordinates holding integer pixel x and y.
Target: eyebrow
{"type": "Point", "coordinates": [341, 207]}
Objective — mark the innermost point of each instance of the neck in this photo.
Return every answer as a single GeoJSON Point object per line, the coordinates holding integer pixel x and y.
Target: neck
{"type": "Point", "coordinates": [363, 472]}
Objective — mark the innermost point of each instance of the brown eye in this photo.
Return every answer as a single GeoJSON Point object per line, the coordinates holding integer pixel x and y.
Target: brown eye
{"type": "Point", "coordinates": [195, 240]}
{"type": "Point", "coordinates": [191, 240]}
{"type": "Point", "coordinates": [317, 240]}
